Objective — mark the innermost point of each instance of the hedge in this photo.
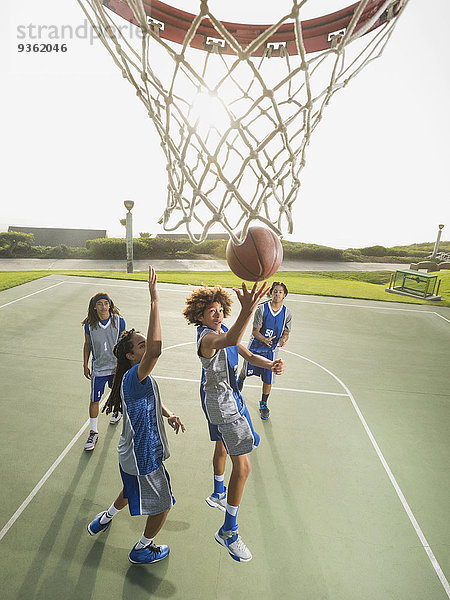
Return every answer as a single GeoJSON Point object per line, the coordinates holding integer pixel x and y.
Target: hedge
{"type": "Point", "coordinates": [18, 245]}
{"type": "Point", "coordinates": [297, 250]}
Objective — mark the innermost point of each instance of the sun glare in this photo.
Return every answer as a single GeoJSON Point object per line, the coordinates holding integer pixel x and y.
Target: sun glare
{"type": "Point", "coordinates": [208, 112]}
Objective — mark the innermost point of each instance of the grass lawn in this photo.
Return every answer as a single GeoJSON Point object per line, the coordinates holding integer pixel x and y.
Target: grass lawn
{"type": "Point", "coordinates": [344, 284]}
{"type": "Point", "coordinates": [9, 279]}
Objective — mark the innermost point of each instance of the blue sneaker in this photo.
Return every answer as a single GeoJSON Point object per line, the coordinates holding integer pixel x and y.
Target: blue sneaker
{"type": "Point", "coordinates": [95, 526]}
{"type": "Point", "coordinates": [264, 411]}
{"type": "Point", "coordinates": [147, 555]}
{"type": "Point", "coordinates": [234, 544]}
{"type": "Point", "coordinates": [218, 500]}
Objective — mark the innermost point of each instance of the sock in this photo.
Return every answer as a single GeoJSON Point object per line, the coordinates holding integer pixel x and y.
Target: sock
{"type": "Point", "coordinates": [230, 518]}
{"type": "Point", "coordinates": [143, 542]}
{"type": "Point", "coordinates": [218, 484]}
{"type": "Point", "coordinates": [263, 401]}
{"type": "Point", "coordinates": [94, 424]}
{"type": "Point", "coordinates": [109, 514]}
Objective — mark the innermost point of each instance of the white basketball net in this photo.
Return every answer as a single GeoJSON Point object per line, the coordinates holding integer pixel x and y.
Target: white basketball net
{"type": "Point", "coordinates": [244, 165]}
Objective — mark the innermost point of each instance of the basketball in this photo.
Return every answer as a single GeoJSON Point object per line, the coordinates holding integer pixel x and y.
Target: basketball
{"type": "Point", "coordinates": [258, 257]}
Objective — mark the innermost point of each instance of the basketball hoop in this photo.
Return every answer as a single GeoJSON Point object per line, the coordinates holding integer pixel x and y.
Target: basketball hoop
{"type": "Point", "coordinates": [244, 164]}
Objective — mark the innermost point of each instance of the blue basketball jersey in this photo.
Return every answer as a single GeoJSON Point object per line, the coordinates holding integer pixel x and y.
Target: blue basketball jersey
{"type": "Point", "coordinates": [143, 444]}
{"type": "Point", "coordinates": [270, 324]}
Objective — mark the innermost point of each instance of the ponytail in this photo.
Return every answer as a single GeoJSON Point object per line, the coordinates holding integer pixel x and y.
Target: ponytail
{"type": "Point", "coordinates": [120, 351]}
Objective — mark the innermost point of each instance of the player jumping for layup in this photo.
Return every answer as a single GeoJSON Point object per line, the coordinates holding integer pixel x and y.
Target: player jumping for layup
{"type": "Point", "coordinates": [230, 426]}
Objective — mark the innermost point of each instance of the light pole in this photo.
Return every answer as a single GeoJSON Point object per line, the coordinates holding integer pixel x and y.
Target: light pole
{"type": "Point", "coordinates": [129, 234]}
{"type": "Point", "coordinates": [436, 245]}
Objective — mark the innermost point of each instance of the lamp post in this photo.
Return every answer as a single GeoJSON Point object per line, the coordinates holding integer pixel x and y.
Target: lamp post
{"type": "Point", "coordinates": [436, 245]}
{"type": "Point", "coordinates": [129, 234]}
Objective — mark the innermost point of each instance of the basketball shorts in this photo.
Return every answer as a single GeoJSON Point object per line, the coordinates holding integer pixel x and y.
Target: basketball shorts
{"type": "Point", "coordinates": [98, 385]}
{"type": "Point", "coordinates": [238, 437]}
{"type": "Point", "coordinates": [147, 494]}
{"type": "Point", "coordinates": [267, 376]}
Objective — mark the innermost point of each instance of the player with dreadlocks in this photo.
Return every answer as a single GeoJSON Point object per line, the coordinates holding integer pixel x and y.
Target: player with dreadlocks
{"type": "Point", "coordinates": [143, 444]}
{"type": "Point", "coordinates": [102, 328]}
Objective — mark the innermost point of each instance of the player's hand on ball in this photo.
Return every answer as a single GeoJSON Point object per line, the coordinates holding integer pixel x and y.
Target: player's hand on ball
{"type": "Point", "coordinates": [176, 423]}
{"type": "Point", "coordinates": [279, 366]}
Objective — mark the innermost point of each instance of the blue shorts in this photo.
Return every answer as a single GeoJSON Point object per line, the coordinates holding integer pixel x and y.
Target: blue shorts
{"type": "Point", "coordinates": [238, 437]}
{"type": "Point", "coordinates": [147, 494]}
{"type": "Point", "coordinates": [98, 385]}
{"type": "Point", "coordinates": [266, 375]}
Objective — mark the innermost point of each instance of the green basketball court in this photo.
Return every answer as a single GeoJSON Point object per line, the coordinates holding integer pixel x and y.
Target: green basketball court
{"type": "Point", "coordinates": [348, 498]}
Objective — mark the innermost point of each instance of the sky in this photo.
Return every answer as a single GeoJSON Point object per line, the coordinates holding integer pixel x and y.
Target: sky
{"type": "Point", "coordinates": [76, 142]}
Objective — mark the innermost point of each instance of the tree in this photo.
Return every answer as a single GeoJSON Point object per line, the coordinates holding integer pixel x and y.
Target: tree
{"type": "Point", "coordinates": [12, 241]}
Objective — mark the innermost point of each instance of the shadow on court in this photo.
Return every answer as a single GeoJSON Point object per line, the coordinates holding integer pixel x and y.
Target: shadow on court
{"type": "Point", "coordinates": [140, 582]}
{"type": "Point", "coordinates": [55, 586]}
{"type": "Point", "coordinates": [171, 525]}
{"type": "Point", "coordinates": [288, 524]}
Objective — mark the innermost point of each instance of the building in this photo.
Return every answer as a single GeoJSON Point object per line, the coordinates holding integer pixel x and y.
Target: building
{"type": "Point", "coordinates": [54, 236]}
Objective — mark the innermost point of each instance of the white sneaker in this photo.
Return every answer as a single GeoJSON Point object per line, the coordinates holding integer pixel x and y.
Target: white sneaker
{"type": "Point", "coordinates": [91, 441]}
{"type": "Point", "coordinates": [218, 501]}
{"type": "Point", "coordinates": [237, 549]}
{"type": "Point", "coordinates": [115, 418]}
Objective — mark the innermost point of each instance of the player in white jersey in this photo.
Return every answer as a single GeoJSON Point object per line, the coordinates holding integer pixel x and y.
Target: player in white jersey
{"type": "Point", "coordinates": [272, 324]}
{"type": "Point", "coordinates": [143, 444]}
{"type": "Point", "coordinates": [229, 421]}
{"type": "Point", "coordinates": [103, 327]}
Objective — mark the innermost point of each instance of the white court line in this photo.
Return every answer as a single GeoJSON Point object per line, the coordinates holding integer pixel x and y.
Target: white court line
{"type": "Point", "coordinates": [415, 310]}
{"type": "Point", "coordinates": [438, 315]}
{"type": "Point", "coordinates": [33, 294]}
{"type": "Point", "coordinates": [43, 479]}
{"type": "Point", "coordinates": [302, 391]}
{"type": "Point", "coordinates": [389, 473]}
{"type": "Point", "coordinates": [258, 387]}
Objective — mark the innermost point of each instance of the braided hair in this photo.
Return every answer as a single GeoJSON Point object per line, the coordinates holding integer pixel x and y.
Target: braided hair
{"type": "Point", "coordinates": [120, 351]}
{"type": "Point", "coordinates": [92, 316]}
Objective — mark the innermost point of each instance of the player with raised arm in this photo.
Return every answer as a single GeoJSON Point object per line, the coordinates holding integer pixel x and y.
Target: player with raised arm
{"type": "Point", "coordinates": [143, 444]}
{"type": "Point", "coordinates": [229, 421]}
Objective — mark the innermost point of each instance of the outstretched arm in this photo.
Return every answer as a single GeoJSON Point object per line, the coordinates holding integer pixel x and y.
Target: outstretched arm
{"type": "Point", "coordinates": [153, 346]}
{"type": "Point", "coordinates": [278, 366]}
